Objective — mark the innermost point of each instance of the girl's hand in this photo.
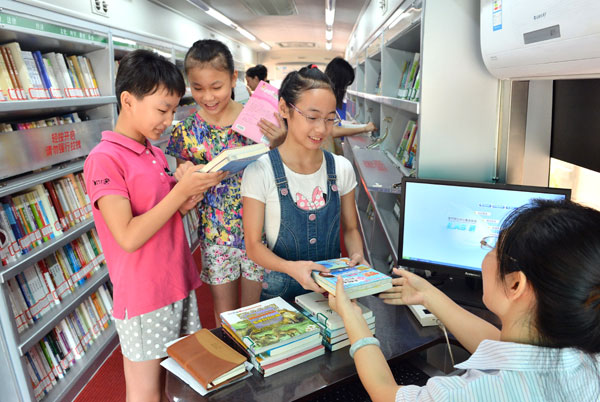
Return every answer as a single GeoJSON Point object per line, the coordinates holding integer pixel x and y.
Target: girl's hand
{"type": "Point", "coordinates": [408, 289]}
{"type": "Point", "coordinates": [301, 271]}
{"type": "Point", "coordinates": [357, 259]}
{"type": "Point", "coordinates": [340, 302]}
{"type": "Point", "coordinates": [370, 127]}
{"type": "Point", "coordinates": [190, 203]}
{"type": "Point", "coordinates": [193, 183]}
{"type": "Point", "coordinates": [275, 134]}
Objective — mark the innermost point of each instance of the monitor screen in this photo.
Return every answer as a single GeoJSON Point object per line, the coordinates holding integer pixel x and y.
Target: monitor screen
{"type": "Point", "coordinates": [442, 223]}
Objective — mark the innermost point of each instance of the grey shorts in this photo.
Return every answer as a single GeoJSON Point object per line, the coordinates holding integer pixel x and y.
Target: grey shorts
{"type": "Point", "coordinates": [144, 337]}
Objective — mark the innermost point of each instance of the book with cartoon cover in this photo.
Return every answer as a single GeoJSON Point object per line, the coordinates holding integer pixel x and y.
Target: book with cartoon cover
{"type": "Point", "coordinates": [268, 324]}
{"type": "Point", "coordinates": [263, 104]}
{"type": "Point", "coordinates": [359, 280]}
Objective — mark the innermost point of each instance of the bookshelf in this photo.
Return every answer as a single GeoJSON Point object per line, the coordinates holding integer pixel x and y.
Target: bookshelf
{"type": "Point", "coordinates": [455, 107]}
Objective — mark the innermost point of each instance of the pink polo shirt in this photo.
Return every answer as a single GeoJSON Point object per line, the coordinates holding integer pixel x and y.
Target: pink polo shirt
{"type": "Point", "coordinates": [162, 271]}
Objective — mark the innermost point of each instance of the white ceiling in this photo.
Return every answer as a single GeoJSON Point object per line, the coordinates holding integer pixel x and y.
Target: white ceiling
{"type": "Point", "coordinates": [306, 26]}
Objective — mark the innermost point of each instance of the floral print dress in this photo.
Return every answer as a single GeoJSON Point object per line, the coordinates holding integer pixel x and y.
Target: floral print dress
{"type": "Point", "coordinates": [194, 140]}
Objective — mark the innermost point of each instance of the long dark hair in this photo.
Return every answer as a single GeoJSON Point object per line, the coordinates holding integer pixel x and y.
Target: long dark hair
{"type": "Point", "coordinates": [556, 244]}
{"type": "Point", "coordinates": [296, 82]}
{"type": "Point", "coordinates": [212, 52]}
{"type": "Point", "coordinates": [341, 74]}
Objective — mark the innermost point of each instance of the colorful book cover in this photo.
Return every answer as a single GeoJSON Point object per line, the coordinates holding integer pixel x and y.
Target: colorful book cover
{"type": "Point", "coordinates": [318, 305]}
{"type": "Point", "coordinates": [261, 105]}
{"type": "Point", "coordinates": [359, 280]}
{"type": "Point", "coordinates": [268, 324]}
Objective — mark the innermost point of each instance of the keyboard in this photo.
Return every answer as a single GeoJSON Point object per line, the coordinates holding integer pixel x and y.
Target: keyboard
{"type": "Point", "coordinates": [353, 391]}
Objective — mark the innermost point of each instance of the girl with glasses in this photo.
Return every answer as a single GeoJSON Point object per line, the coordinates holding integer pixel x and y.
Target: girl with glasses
{"type": "Point", "coordinates": [300, 194]}
{"type": "Point", "coordinates": [542, 280]}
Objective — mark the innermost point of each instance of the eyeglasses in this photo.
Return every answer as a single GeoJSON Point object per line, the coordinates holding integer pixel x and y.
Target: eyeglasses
{"type": "Point", "coordinates": [328, 121]}
{"type": "Point", "coordinates": [488, 242]}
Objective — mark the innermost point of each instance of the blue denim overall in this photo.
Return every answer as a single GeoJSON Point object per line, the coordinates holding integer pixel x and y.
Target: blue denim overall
{"type": "Point", "coordinates": [303, 235]}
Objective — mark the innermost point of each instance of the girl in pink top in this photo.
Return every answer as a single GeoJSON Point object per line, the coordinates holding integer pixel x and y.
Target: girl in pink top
{"type": "Point", "coordinates": [137, 207]}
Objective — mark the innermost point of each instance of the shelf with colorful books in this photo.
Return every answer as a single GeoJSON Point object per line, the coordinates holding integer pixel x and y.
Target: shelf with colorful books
{"type": "Point", "coordinates": [402, 104]}
{"type": "Point", "coordinates": [13, 185]}
{"type": "Point", "coordinates": [42, 326]}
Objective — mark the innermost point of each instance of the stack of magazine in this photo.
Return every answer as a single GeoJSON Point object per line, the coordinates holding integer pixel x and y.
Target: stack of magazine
{"type": "Point", "coordinates": [316, 307]}
{"type": "Point", "coordinates": [274, 335]}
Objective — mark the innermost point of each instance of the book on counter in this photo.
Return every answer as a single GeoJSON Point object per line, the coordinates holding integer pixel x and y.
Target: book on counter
{"type": "Point", "coordinates": [268, 324]}
{"type": "Point", "coordinates": [263, 104]}
{"type": "Point", "coordinates": [359, 280]}
{"type": "Point", "coordinates": [208, 360]}
{"type": "Point", "coordinates": [233, 160]}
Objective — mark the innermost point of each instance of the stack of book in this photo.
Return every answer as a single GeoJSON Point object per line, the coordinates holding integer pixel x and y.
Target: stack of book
{"type": "Point", "coordinates": [28, 75]}
{"type": "Point", "coordinates": [274, 335]}
{"type": "Point", "coordinates": [359, 280]}
{"type": "Point", "coordinates": [410, 79]}
{"type": "Point", "coordinates": [316, 307]}
{"type": "Point", "coordinates": [205, 362]}
{"type": "Point", "coordinates": [52, 358]}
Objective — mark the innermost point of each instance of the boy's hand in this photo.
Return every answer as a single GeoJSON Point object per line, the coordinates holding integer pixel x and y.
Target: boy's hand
{"type": "Point", "coordinates": [301, 271]}
{"type": "Point", "coordinates": [193, 183]}
{"type": "Point", "coordinates": [181, 169]}
{"type": "Point", "coordinates": [190, 203]}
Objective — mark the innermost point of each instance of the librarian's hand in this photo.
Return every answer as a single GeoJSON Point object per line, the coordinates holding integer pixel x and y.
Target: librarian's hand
{"type": "Point", "coordinates": [340, 302]}
{"type": "Point", "coordinates": [301, 271]}
{"type": "Point", "coordinates": [193, 183]}
{"type": "Point", "coordinates": [408, 289]}
{"type": "Point", "coordinates": [371, 127]}
{"type": "Point", "coordinates": [275, 134]}
{"type": "Point", "coordinates": [357, 259]}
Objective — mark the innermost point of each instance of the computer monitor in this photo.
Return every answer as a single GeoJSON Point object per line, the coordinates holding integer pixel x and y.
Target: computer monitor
{"type": "Point", "coordinates": [442, 223]}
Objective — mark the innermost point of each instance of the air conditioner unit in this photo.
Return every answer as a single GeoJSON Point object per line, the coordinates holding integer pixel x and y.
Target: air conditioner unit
{"type": "Point", "coordinates": [535, 39]}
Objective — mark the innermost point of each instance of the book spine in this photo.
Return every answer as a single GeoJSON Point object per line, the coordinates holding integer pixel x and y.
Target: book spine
{"type": "Point", "coordinates": [57, 206]}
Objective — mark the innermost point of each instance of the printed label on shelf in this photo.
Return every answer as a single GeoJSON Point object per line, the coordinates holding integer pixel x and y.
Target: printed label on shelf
{"type": "Point", "coordinates": [64, 362]}
{"type": "Point", "coordinates": [57, 226]}
{"type": "Point", "coordinates": [56, 93]}
{"type": "Point", "coordinates": [96, 329]}
{"type": "Point", "coordinates": [77, 214]}
{"type": "Point", "coordinates": [62, 288]}
{"type": "Point", "coordinates": [2, 97]}
{"type": "Point", "coordinates": [20, 320]}
{"type": "Point", "coordinates": [14, 94]}
{"type": "Point", "coordinates": [38, 93]}
{"type": "Point", "coordinates": [14, 248]}
{"type": "Point", "coordinates": [47, 230]}
{"type": "Point", "coordinates": [87, 338]}
{"type": "Point", "coordinates": [25, 241]}
{"type": "Point", "coordinates": [64, 224]}
{"type": "Point", "coordinates": [74, 93]}
{"type": "Point", "coordinates": [104, 318]}
{"type": "Point", "coordinates": [78, 351]}
{"type": "Point", "coordinates": [37, 235]}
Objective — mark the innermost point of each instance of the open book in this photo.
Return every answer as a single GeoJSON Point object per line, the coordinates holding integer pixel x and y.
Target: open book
{"type": "Point", "coordinates": [235, 159]}
{"type": "Point", "coordinates": [261, 105]}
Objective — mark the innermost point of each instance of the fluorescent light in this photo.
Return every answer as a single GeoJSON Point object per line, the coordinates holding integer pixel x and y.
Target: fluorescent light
{"type": "Point", "coordinates": [163, 54]}
{"type": "Point", "coordinates": [123, 40]}
{"type": "Point", "coordinates": [265, 46]}
{"type": "Point", "coordinates": [329, 16]}
{"type": "Point", "coordinates": [328, 45]}
{"type": "Point", "coordinates": [328, 34]}
{"type": "Point", "coordinates": [246, 33]}
{"type": "Point", "coordinates": [220, 17]}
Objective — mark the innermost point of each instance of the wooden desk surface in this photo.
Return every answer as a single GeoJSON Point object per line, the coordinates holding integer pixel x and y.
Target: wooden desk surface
{"type": "Point", "coordinates": [396, 328]}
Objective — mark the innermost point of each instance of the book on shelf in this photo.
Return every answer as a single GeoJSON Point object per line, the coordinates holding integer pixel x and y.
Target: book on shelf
{"type": "Point", "coordinates": [263, 104]}
{"type": "Point", "coordinates": [233, 160]}
{"type": "Point", "coordinates": [409, 130]}
{"type": "Point", "coordinates": [49, 361]}
{"type": "Point", "coordinates": [359, 280]}
{"type": "Point", "coordinates": [408, 78]}
{"type": "Point", "coordinates": [317, 305]}
{"type": "Point", "coordinates": [268, 324]}
{"type": "Point", "coordinates": [208, 359]}
{"type": "Point", "coordinates": [410, 152]}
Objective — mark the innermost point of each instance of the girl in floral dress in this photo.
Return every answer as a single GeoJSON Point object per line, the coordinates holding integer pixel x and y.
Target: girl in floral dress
{"type": "Point", "coordinates": [194, 142]}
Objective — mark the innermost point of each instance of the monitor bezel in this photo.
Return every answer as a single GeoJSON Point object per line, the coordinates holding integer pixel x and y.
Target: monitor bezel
{"type": "Point", "coordinates": [447, 269]}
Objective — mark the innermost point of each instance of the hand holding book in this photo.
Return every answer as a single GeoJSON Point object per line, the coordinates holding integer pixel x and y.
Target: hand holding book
{"type": "Point", "coordinates": [191, 184]}
{"type": "Point", "coordinates": [302, 272]}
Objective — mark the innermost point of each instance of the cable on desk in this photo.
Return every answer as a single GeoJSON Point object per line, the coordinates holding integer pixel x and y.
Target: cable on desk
{"type": "Point", "coordinates": [443, 328]}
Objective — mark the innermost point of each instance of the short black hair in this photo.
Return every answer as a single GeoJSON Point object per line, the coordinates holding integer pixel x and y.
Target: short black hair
{"type": "Point", "coordinates": [212, 52]}
{"type": "Point", "coordinates": [259, 71]}
{"type": "Point", "coordinates": [143, 72]}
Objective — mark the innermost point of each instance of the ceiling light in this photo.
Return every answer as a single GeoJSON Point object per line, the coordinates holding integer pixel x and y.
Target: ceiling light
{"type": "Point", "coordinates": [329, 12]}
{"type": "Point", "coordinates": [329, 34]}
{"type": "Point", "coordinates": [246, 33]}
{"type": "Point", "coordinates": [328, 45]}
{"type": "Point", "coordinates": [265, 46]}
{"type": "Point", "coordinates": [125, 41]}
{"type": "Point", "coordinates": [220, 17]}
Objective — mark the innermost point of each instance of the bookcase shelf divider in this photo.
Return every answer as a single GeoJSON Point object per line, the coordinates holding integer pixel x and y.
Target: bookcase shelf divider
{"type": "Point", "coordinates": [14, 185]}
{"type": "Point", "coordinates": [45, 250]}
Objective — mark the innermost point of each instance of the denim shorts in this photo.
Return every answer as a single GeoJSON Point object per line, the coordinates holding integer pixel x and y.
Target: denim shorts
{"type": "Point", "coordinates": [144, 337]}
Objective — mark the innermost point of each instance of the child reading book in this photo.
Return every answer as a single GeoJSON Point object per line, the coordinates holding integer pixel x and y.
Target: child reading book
{"type": "Point", "coordinates": [136, 208]}
{"type": "Point", "coordinates": [299, 194]}
{"type": "Point", "coordinates": [197, 140]}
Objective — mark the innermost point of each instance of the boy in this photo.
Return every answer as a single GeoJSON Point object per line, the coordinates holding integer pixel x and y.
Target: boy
{"type": "Point", "coordinates": [137, 207]}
